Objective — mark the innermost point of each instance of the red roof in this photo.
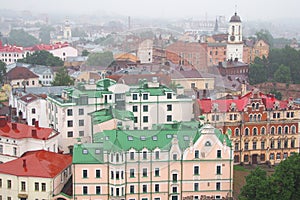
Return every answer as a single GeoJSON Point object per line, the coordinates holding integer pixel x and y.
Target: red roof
{"type": "Point", "coordinates": [40, 163]}
{"type": "Point", "coordinates": [12, 49]}
{"type": "Point", "coordinates": [48, 47]}
{"type": "Point", "coordinates": [224, 105]}
{"type": "Point", "coordinates": [20, 73]}
{"type": "Point", "coordinates": [29, 98]}
{"type": "Point", "coordinates": [20, 131]}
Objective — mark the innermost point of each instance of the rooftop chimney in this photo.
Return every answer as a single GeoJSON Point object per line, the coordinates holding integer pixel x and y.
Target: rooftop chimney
{"type": "Point", "coordinates": [36, 124]}
{"type": "Point", "coordinates": [3, 121]}
{"type": "Point", "coordinates": [34, 133]}
{"type": "Point", "coordinates": [14, 126]}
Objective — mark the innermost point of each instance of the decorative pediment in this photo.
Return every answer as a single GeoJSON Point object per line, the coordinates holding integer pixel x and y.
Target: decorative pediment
{"type": "Point", "coordinates": [233, 106]}
{"type": "Point", "coordinates": [276, 105]}
{"type": "Point", "coordinates": [215, 107]}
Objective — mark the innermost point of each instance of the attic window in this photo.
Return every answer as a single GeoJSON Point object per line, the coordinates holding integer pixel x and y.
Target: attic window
{"type": "Point", "coordinates": [130, 138]}
{"type": "Point", "coordinates": [154, 137]}
{"type": "Point", "coordinates": [143, 138]}
{"type": "Point", "coordinates": [85, 151]}
{"type": "Point", "coordinates": [106, 138]}
{"type": "Point", "coordinates": [207, 144]}
{"type": "Point", "coordinates": [186, 138]}
{"type": "Point", "coordinates": [97, 151]}
{"type": "Point", "coordinates": [169, 136]}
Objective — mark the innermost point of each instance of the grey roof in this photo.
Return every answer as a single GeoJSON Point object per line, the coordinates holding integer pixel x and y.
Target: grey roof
{"type": "Point", "coordinates": [41, 69]}
{"type": "Point", "coordinates": [43, 90]}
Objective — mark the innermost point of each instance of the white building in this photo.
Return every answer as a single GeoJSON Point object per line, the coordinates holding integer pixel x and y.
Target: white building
{"type": "Point", "coordinates": [10, 54]}
{"type": "Point", "coordinates": [36, 175]}
{"type": "Point", "coordinates": [45, 73]}
{"type": "Point", "coordinates": [235, 39]}
{"type": "Point", "coordinates": [16, 139]}
{"type": "Point", "coordinates": [145, 51]}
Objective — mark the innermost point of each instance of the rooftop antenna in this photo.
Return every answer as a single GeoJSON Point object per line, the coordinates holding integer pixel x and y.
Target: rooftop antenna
{"type": "Point", "coordinates": [235, 8]}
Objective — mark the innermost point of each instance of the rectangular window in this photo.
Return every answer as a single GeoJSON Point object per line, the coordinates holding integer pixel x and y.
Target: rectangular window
{"type": "Point", "coordinates": [131, 173]}
{"type": "Point", "coordinates": [169, 107]}
{"type": "Point", "coordinates": [43, 187]}
{"type": "Point", "coordinates": [144, 172]}
{"type": "Point", "coordinates": [236, 146]}
{"type": "Point", "coordinates": [219, 169]}
{"type": "Point", "coordinates": [254, 145]}
{"type": "Point", "coordinates": [135, 119]}
{"type": "Point", "coordinates": [169, 118]}
{"type": "Point", "coordinates": [262, 145]}
{"type": "Point", "coordinates": [134, 96]}
{"type": "Point", "coordinates": [196, 186]}
{"type": "Point", "coordinates": [85, 190]}
{"type": "Point", "coordinates": [132, 189]}
{"type": "Point", "coordinates": [156, 154]}
{"type": "Point", "coordinates": [70, 123]}
{"type": "Point", "coordinates": [246, 145]}
{"type": "Point", "coordinates": [131, 155]}
{"type": "Point", "coordinates": [156, 172]}
{"type": "Point", "coordinates": [193, 85]}
{"type": "Point", "coordinates": [145, 119]}
{"type": "Point", "coordinates": [218, 186]}
{"type": "Point", "coordinates": [69, 112]}
{"type": "Point", "coordinates": [23, 186]}
{"type": "Point", "coordinates": [84, 173]}
{"type": "Point", "coordinates": [156, 187]}
{"type": "Point", "coordinates": [174, 177]}
{"type": "Point", "coordinates": [219, 153]}
{"type": "Point", "coordinates": [0, 182]}
{"type": "Point", "coordinates": [81, 133]}
{"type": "Point", "coordinates": [145, 108]}
{"type": "Point", "coordinates": [196, 170]}
{"type": "Point", "coordinates": [9, 184]}
{"type": "Point", "coordinates": [98, 173]}
{"type": "Point", "coordinates": [134, 108]}
{"type": "Point", "coordinates": [169, 95]}
{"type": "Point", "coordinates": [98, 190]}
{"type": "Point", "coordinates": [70, 133]}
{"type": "Point", "coordinates": [144, 188]}
{"type": "Point", "coordinates": [36, 186]}
{"type": "Point", "coordinates": [81, 122]}
{"type": "Point", "coordinates": [145, 96]}
{"type": "Point", "coordinates": [80, 111]}
{"type": "Point", "coordinates": [196, 153]}
{"type": "Point", "coordinates": [144, 154]}
{"type": "Point", "coordinates": [174, 189]}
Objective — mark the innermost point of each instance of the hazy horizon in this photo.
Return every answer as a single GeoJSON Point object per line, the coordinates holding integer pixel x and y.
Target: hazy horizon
{"type": "Point", "coordinates": [164, 9]}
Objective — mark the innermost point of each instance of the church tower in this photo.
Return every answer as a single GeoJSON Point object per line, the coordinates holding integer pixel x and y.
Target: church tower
{"type": "Point", "coordinates": [67, 30]}
{"type": "Point", "coordinates": [235, 39]}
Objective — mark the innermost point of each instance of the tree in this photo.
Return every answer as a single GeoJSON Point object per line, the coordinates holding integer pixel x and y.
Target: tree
{"type": "Point", "coordinates": [282, 74]}
{"type": "Point", "coordinates": [277, 94]}
{"type": "Point", "coordinates": [43, 58]}
{"type": "Point", "coordinates": [62, 78]}
{"type": "Point", "coordinates": [100, 59]}
{"type": "Point", "coordinates": [2, 72]}
{"type": "Point", "coordinates": [22, 38]}
{"type": "Point", "coordinates": [256, 186]}
{"type": "Point", "coordinates": [257, 71]}
{"type": "Point", "coordinates": [85, 52]}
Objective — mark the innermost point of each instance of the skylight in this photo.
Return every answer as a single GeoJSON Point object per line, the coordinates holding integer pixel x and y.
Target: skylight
{"type": "Point", "coordinates": [186, 138]}
{"type": "Point", "coordinates": [85, 151]}
{"type": "Point", "coordinates": [154, 137]}
{"type": "Point", "coordinates": [97, 151]}
{"type": "Point", "coordinates": [169, 136]}
{"type": "Point", "coordinates": [130, 138]}
{"type": "Point", "coordinates": [143, 137]}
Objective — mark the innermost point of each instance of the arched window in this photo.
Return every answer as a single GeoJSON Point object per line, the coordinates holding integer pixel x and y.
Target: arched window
{"type": "Point", "coordinates": [259, 117]}
{"type": "Point", "coordinates": [253, 106]}
{"type": "Point", "coordinates": [257, 105]}
{"type": "Point", "coordinates": [263, 130]}
{"type": "Point", "coordinates": [111, 158]}
{"type": "Point", "coordinates": [272, 130]}
{"type": "Point", "coordinates": [117, 157]}
{"type": "Point", "coordinates": [33, 110]}
{"type": "Point", "coordinates": [286, 129]}
{"type": "Point", "coordinates": [246, 131]}
{"type": "Point", "coordinates": [279, 130]}
{"type": "Point", "coordinates": [255, 131]}
{"type": "Point", "coordinates": [293, 128]}
{"type": "Point", "coordinates": [250, 118]}
{"type": "Point", "coordinates": [237, 132]}
{"type": "Point", "coordinates": [254, 118]}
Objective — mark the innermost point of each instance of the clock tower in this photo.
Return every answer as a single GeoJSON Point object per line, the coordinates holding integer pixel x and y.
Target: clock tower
{"type": "Point", "coordinates": [235, 39]}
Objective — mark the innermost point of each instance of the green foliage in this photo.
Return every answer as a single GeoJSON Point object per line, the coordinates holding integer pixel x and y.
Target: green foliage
{"type": "Point", "coordinates": [282, 74]}
{"type": "Point", "coordinates": [22, 38]}
{"type": "Point", "coordinates": [44, 34]}
{"type": "Point", "coordinates": [85, 53]}
{"type": "Point", "coordinates": [277, 94]}
{"type": "Point", "coordinates": [100, 59]}
{"type": "Point", "coordinates": [257, 71]}
{"type": "Point", "coordinates": [284, 184]}
{"type": "Point", "coordinates": [62, 78]}
{"type": "Point", "coordinates": [43, 58]}
{"type": "Point", "coordinates": [2, 72]}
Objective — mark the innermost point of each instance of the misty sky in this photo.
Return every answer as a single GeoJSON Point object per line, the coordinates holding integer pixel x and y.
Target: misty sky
{"type": "Point", "coordinates": [247, 9]}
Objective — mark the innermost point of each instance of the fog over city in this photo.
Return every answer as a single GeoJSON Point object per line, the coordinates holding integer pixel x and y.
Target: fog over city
{"type": "Point", "coordinates": [251, 10]}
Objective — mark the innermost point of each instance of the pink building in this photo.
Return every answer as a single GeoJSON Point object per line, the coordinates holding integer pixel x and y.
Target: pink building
{"type": "Point", "coordinates": [173, 161]}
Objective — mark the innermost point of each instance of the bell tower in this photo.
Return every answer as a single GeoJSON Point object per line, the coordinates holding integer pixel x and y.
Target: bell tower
{"type": "Point", "coordinates": [235, 39]}
{"type": "Point", "coordinates": [67, 30]}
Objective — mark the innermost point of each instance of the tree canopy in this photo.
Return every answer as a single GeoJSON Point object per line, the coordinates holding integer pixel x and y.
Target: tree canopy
{"type": "Point", "coordinates": [283, 184]}
{"type": "Point", "coordinates": [100, 59]}
{"type": "Point", "coordinates": [62, 78]}
{"type": "Point", "coordinates": [2, 72]}
{"type": "Point", "coordinates": [42, 58]}
{"type": "Point", "coordinates": [44, 34]}
{"type": "Point", "coordinates": [22, 38]}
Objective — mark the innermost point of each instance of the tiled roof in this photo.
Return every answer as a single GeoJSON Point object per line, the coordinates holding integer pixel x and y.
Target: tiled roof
{"type": "Point", "coordinates": [41, 163]}
{"type": "Point", "coordinates": [126, 56]}
{"type": "Point", "coordinates": [20, 131]}
{"type": "Point", "coordinates": [29, 98]}
{"type": "Point", "coordinates": [11, 49]}
{"type": "Point", "coordinates": [47, 47]}
{"type": "Point", "coordinates": [20, 73]}
{"type": "Point", "coordinates": [185, 74]}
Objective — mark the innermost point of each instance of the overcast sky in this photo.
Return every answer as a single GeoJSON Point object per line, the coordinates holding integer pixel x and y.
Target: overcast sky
{"type": "Point", "coordinates": [247, 9]}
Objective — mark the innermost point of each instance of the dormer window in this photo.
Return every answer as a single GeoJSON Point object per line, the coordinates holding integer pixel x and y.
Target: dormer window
{"type": "Point", "coordinates": [276, 105]}
{"type": "Point", "coordinates": [233, 106]}
{"type": "Point", "coordinates": [215, 107]}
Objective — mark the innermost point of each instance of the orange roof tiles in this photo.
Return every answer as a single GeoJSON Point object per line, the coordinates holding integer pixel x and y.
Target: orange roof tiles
{"type": "Point", "coordinates": [40, 163]}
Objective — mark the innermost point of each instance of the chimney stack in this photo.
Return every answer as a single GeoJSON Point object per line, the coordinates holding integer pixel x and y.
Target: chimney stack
{"type": "Point", "coordinates": [36, 124]}
{"type": "Point", "coordinates": [14, 126]}
{"type": "Point", "coordinates": [3, 121]}
{"type": "Point", "coordinates": [34, 133]}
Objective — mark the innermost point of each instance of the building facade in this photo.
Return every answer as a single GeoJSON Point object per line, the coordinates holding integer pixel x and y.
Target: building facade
{"type": "Point", "coordinates": [264, 129]}
{"type": "Point", "coordinates": [255, 48]}
{"type": "Point", "coordinates": [173, 162]}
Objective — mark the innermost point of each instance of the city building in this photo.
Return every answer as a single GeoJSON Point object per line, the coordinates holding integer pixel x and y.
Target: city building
{"type": "Point", "coordinates": [22, 77]}
{"type": "Point", "coordinates": [255, 48]}
{"type": "Point", "coordinates": [16, 139]}
{"type": "Point", "coordinates": [173, 161]}
{"type": "Point", "coordinates": [264, 129]}
{"type": "Point", "coordinates": [145, 51]}
{"type": "Point", "coordinates": [10, 53]}
{"type": "Point", "coordinates": [36, 175]}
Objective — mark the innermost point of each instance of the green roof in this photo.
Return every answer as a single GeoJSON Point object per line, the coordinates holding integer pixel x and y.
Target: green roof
{"type": "Point", "coordinates": [90, 153]}
{"type": "Point", "coordinates": [153, 91]}
{"type": "Point", "coordinates": [107, 114]}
